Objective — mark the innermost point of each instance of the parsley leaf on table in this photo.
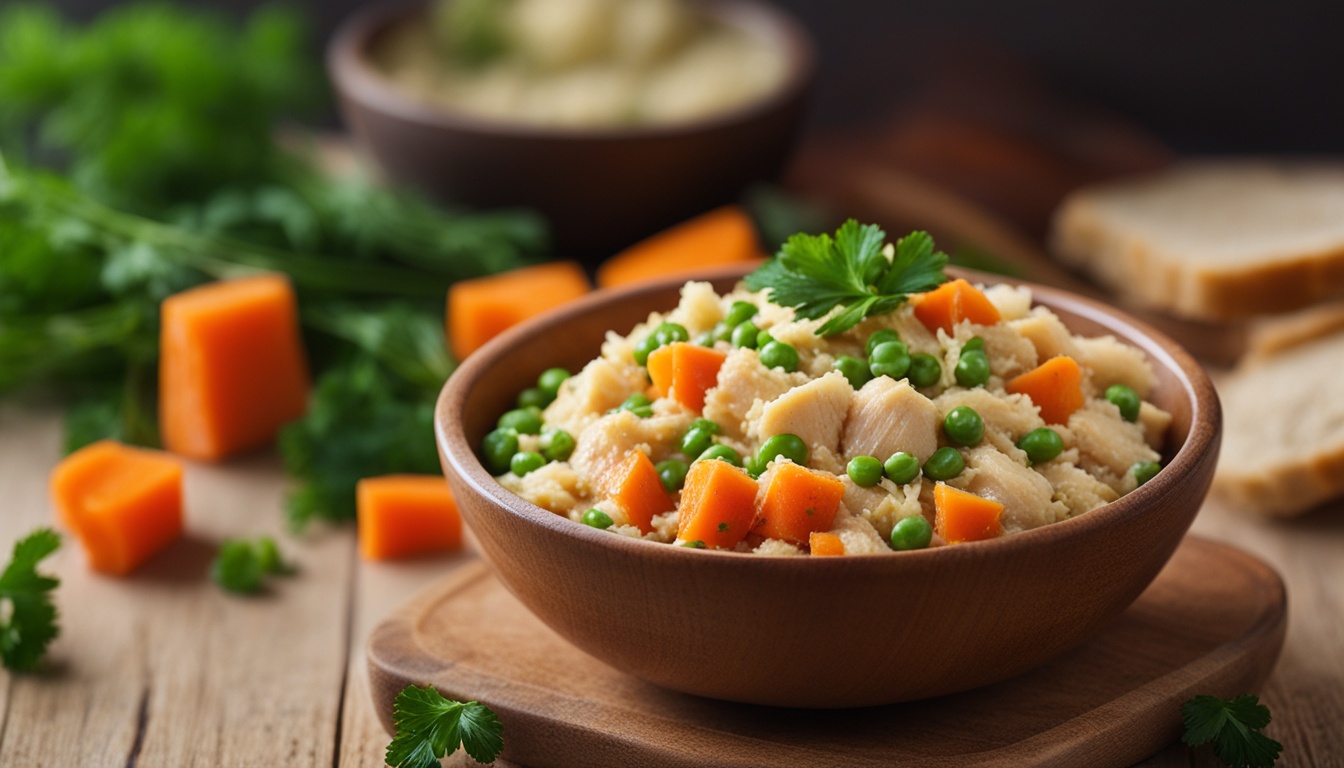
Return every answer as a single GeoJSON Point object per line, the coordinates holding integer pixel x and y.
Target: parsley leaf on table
{"type": "Point", "coordinates": [31, 622]}
{"type": "Point", "coordinates": [853, 270]}
{"type": "Point", "coordinates": [430, 727]}
{"type": "Point", "coordinates": [1234, 728]}
{"type": "Point", "coordinates": [241, 565]}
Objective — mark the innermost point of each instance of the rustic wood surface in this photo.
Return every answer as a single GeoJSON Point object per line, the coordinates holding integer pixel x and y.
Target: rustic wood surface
{"type": "Point", "coordinates": [164, 669]}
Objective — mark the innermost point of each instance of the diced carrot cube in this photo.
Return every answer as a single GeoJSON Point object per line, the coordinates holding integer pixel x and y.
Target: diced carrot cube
{"type": "Point", "coordinates": [952, 302]}
{"type": "Point", "coordinates": [1055, 386]}
{"type": "Point", "coordinates": [825, 544]}
{"type": "Point", "coordinates": [405, 515]}
{"type": "Point", "coordinates": [722, 236]}
{"type": "Point", "coordinates": [640, 492]}
{"type": "Point", "coordinates": [960, 516]}
{"type": "Point", "coordinates": [718, 504]}
{"type": "Point", "coordinates": [798, 502]}
{"type": "Point", "coordinates": [483, 308]}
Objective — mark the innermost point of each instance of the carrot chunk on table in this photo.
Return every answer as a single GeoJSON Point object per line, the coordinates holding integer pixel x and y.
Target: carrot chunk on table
{"type": "Point", "coordinates": [483, 308]}
{"type": "Point", "coordinates": [232, 369]}
{"type": "Point", "coordinates": [722, 236]}
{"type": "Point", "coordinates": [1055, 386]}
{"type": "Point", "coordinates": [123, 504]}
{"type": "Point", "coordinates": [404, 515]}
{"type": "Point", "coordinates": [960, 516]}
{"type": "Point", "coordinates": [952, 302]}
{"type": "Point", "coordinates": [718, 504]}
{"type": "Point", "coordinates": [798, 502]}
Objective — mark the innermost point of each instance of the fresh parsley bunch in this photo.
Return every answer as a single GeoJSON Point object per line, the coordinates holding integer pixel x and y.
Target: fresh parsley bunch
{"type": "Point", "coordinates": [854, 271]}
{"type": "Point", "coordinates": [31, 621]}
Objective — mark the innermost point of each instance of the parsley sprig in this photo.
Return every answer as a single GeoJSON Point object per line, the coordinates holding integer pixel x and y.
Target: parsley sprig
{"type": "Point", "coordinates": [430, 727]}
{"type": "Point", "coordinates": [1234, 728]}
{"type": "Point", "coordinates": [241, 565]}
{"type": "Point", "coordinates": [31, 622]}
{"type": "Point", "coordinates": [854, 270]}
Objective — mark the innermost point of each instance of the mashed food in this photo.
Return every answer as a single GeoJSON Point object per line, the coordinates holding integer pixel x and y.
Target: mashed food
{"type": "Point", "coordinates": [728, 422]}
{"type": "Point", "coordinates": [579, 63]}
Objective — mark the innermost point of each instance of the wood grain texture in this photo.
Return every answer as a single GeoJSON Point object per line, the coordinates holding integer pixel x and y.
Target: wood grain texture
{"type": "Point", "coordinates": [1213, 621]}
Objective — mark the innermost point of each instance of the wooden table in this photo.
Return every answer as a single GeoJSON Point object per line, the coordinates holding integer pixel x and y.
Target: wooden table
{"type": "Point", "coordinates": [165, 669]}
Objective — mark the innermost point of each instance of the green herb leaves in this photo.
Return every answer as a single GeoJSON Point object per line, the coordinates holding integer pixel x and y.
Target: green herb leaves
{"type": "Point", "coordinates": [241, 565]}
{"type": "Point", "coordinates": [430, 727]}
{"type": "Point", "coordinates": [815, 274]}
{"type": "Point", "coordinates": [29, 625]}
{"type": "Point", "coordinates": [1234, 728]}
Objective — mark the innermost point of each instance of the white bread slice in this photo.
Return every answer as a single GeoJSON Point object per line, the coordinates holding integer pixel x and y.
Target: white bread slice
{"type": "Point", "coordinates": [1212, 240]}
{"type": "Point", "coordinates": [1283, 437]}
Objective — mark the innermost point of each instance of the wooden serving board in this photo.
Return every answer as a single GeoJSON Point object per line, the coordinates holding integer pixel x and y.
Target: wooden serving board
{"type": "Point", "coordinates": [1212, 622]}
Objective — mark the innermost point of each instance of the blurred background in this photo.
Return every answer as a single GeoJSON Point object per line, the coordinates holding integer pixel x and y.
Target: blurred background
{"type": "Point", "coordinates": [1201, 77]}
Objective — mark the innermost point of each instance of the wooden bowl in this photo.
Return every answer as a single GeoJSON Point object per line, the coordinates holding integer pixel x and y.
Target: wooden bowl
{"type": "Point", "coordinates": [825, 632]}
{"type": "Point", "coordinates": [601, 188]}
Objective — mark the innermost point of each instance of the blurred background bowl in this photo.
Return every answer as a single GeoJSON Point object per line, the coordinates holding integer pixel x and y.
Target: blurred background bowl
{"type": "Point", "coordinates": [834, 632]}
{"type": "Point", "coordinates": [600, 188]}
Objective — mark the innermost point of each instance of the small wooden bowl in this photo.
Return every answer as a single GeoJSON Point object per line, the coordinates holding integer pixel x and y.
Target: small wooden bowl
{"type": "Point", "coordinates": [825, 632]}
{"type": "Point", "coordinates": [601, 188]}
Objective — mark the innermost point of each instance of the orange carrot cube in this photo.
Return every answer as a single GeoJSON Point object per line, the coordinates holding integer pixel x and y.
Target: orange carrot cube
{"type": "Point", "coordinates": [1055, 386]}
{"type": "Point", "coordinates": [483, 308]}
{"type": "Point", "coordinates": [123, 504]}
{"type": "Point", "coordinates": [718, 504]}
{"type": "Point", "coordinates": [825, 544]}
{"type": "Point", "coordinates": [798, 502]}
{"type": "Point", "coordinates": [232, 368]}
{"type": "Point", "coordinates": [722, 236]}
{"type": "Point", "coordinates": [405, 515]}
{"type": "Point", "coordinates": [960, 516]}
{"type": "Point", "coordinates": [639, 491]}
{"type": "Point", "coordinates": [952, 302]}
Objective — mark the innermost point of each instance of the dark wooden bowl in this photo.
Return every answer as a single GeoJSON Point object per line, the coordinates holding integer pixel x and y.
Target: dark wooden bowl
{"type": "Point", "coordinates": [826, 632]}
{"type": "Point", "coordinates": [600, 189]}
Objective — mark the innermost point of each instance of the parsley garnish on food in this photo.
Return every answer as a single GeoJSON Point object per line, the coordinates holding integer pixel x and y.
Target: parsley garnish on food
{"type": "Point", "coordinates": [855, 270]}
{"type": "Point", "coordinates": [241, 565]}
{"type": "Point", "coordinates": [28, 624]}
{"type": "Point", "coordinates": [430, 727]}
{"type": "Point", "coordinates": [1234, 728]}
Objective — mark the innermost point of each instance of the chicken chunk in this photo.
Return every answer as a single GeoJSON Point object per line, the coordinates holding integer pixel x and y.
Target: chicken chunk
{"type": "Point", "coordinates": [1026, 496]}
{"type": "Point", "coordinates": [1115, 363]}
{"type": "Point", "coordinates": [887, 416]}
{"type": "Point", "coordinates": [1108, 446]}
{"type": "Point", "coordinates": [1047, 333]}
{"type": "Point", "coordinates": [599, 387]}
{"type": "Point", "coordinates": [743, 381]}
{"type": "Point", "coordinates": [1076, 489]}
{"type": "Point", "coordinates": [814, 412]}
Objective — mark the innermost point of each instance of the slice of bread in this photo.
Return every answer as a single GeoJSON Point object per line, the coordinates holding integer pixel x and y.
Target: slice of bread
{"type": "Point", "coordinates": [1283, 438]}
{"type": "Point", "coordinates": [1215, 240]}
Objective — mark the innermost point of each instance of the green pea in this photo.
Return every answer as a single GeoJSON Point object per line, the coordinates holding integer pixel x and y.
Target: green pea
{"type": "Point", "coordinates": [708, 425]}
{"type": "Point", "coordinates": [754, 466]}
{"type": "Point", "coordinates": [535, 397]}
{"type": "Point", "coordinates": [638, 404]}
{"type": "Point", "coordinates": [739, 313]}
{"type": "Point", "coordinates": [945, 464]}
{"type": "Point", "coordinates": [722, 453]}
{"type": "Point", "coordinates": [890, 358]}
{"type": "Point", "coordinates": [925, 370]}
{"type": "Point", "coordinates": [695, 442]}
{"type": "Point", "coordinates": [556, 444]}
{"type": "Point", "coordinates": [596, 518]}
{"type": "Point", "coordinates": [975, 344]}
{"type": "Point", "coordinates": [777, 354]}
{"type": "Point", "coordinates": [644, 348]}
{"type": "Point", "coordinates": [704, 339]}
{"type": "Point", "coordinates": [744, 335]}
{"type": "Point", "coordinates": [672, 474]}
{"type": "Point", "coordinates": [963, 425]}
{"type": "Point", "coordinates": [1041, 445]}
{"type": "Point", "coordinates": [526, 461]}
{"type": "Point", "coordinates": [524, 421]}
{"type": "Point", "coordinates": [668, 333]}
{"type": "Point", "coordinates": [865, 471]}
{"type": "Point", "coordinates": [551, 379]}
{"type": "Point", "coordinates": [1145, 471]}
{"type": "Point", "coordinates": [972, 369]}
{"type": "Point", "coordinates": [884, 336]}
{"type": "Point", "coordinates": [901, 468]}
{"type": "Point", "coordinates": [723, 332]}
{"type": "Point", "coordinates": [1126, 399]}
{"type": "Point", "coordinates": [855, 369]}
{"type": "Point", "coordinates": [789, 446]}
{"type": "Point", "coordinates": [763, 338]}
{"type": "Point", "coordinates": [913, 532]}
{"type": "Point", "coordinates": [697, 544]}
{"type": "Point", "coordinates": [497, 447]}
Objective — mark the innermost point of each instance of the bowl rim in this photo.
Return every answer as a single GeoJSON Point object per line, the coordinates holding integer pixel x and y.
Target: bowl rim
{"type": "Point", "coordinates": [460, 458]}
{"type": "Point", "coordinates": [354, 78]}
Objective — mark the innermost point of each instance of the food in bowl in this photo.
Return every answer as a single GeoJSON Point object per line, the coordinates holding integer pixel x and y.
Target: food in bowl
{"type": "Point", "coordinates": [579, 63]}
{"type": "Point", "coordinates": [844, 399]}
